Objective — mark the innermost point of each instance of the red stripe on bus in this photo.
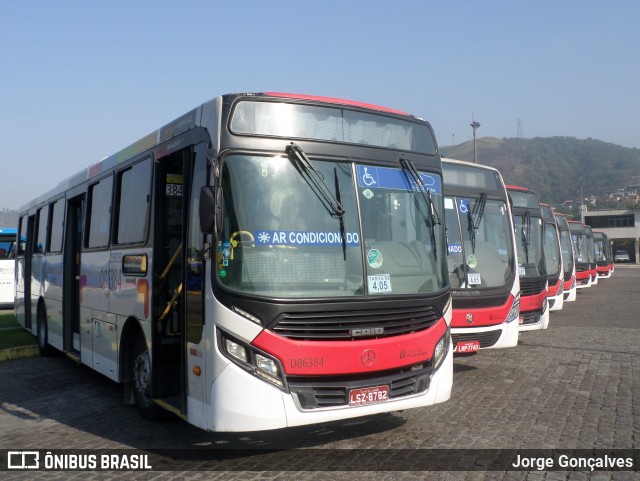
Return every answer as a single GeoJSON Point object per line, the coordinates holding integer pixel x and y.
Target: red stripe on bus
{"type": "Point", "coordinates": [333, 100]}
{"type": "Point", "coordinates": [485, 316]}
{"type": "Point", "coordinates": [326, 358]}
{"type": "Point", "coordinates": [530, 303]}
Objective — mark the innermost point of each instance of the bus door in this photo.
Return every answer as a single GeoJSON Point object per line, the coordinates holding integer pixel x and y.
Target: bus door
{"type": "Point", "coordinates": [72, 296]}
{"type": "Point", "coordinates": [29, 228]}
{"type": "Point", "coordinates": [168, 359]}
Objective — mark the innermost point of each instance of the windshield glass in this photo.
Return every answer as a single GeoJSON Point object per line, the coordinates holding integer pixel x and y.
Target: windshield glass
{"type": "Point", "coordinates": [601, 251]}
{"type": "Point", "coordinates": [551, 249]}
{"type": "Point", "coordinates": [6, 247]}
{"type": "Point", "coordinates": [480, 247]}
{"type": "Point", "coordinates": [580, 246]}
{"type": "Point", "coordinates": [281, 239]}
{"type": "Point", "coordinates": [528, 245]}
{"type": "Point", "coordinates": [567, 251]}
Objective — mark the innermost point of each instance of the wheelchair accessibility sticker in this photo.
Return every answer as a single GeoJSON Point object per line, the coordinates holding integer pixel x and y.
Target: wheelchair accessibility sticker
{"type": "Point", "coordinates": [396, 179]}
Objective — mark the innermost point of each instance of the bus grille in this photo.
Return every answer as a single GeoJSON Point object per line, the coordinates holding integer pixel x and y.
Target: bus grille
{"type": "Point", "coordinates": [341, 325]}
{"type": "Point", "coordinates": [314, 393]}
{"type": "Point", "coordinates": [530, 287]}
{"type": "Point", "coordinates": [530, 317]}
{"type": "Point", "coordinates": [486, 339]}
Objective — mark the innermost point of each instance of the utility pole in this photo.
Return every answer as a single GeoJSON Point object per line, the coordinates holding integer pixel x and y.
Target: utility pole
{"type": "Point", "coordinates": [474, 126]}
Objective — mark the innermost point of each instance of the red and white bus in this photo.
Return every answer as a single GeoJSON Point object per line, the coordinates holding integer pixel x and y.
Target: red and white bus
{"type": "Point", "coordinates": [481, 256]}
{"type": "Point", "coordinates": [593, 266]}
{"type": "Point", "coordinates": [529, 232]}
{"type": "Point", "coordinates": [604, 255]}
{"type": "Point", "coordinates": [581, 250]}
{"type": "Point", "coordinates": [553, 259]}
{"type": "Point", "coordinates": [568, 258]}
{"type": "Point", "coordinates": [264, 261]}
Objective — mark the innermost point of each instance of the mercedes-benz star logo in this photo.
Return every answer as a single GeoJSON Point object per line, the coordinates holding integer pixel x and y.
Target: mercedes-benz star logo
{"type": "Point", "coordinates": [469, 318]}
{"type": "Point", "coordinates": [368, 358]}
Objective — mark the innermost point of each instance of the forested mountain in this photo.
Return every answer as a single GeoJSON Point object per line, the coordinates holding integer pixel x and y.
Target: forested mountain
{"type": "Point", "coordinates": [557, 168]}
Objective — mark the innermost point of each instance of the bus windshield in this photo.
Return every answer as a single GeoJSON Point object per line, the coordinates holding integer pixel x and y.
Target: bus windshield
{"type": "Point", "coordinates": [281, 237]}
{"type": "Point", "coordinates": [567, 254]}
{"type": "Point", "coordinates": [551, 250]}
{"type": "Point", "coordinates": [528, 232]}
{"type": "Point", "coordinates": [479, 247]}
{"type": "Point", "coordinates": [581, 246]}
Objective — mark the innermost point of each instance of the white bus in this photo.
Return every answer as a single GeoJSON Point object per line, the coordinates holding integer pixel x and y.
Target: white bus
{"type": "Point", "coordinates": [264, 261]}
{"type": "Point", "coordinates": [553, 259]}
{"type": "Point", "coordinates": [568, 258]}
{"type": "Point", "coordinates": [7, 263]}
{"type": "Point", "coordinates": [481, 255]}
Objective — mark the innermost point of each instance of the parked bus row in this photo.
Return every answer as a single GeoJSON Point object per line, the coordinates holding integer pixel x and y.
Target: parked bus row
{"type": "Point", "coordinates": [272, 260]}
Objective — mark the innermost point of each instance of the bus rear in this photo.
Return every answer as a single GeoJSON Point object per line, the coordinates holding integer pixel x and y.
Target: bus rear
{"type": "Point", "coordinates": [481, 258]}
{"type": "Point", "coordinates": [553, 259]}
{"type": "Point", "coordinates": [7, 266]}
{"type": "Point", "coordinates": [568, 258]}
{"type": "Point", "coordinates": [532, 270]}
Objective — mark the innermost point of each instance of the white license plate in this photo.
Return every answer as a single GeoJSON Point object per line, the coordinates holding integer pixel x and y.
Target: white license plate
{"type": "Point", "coordinates": [368, 395]}
{"type": "Point", "coordinates": [380, 283]}
{"type": "Point", "coordinates": [473, 279]}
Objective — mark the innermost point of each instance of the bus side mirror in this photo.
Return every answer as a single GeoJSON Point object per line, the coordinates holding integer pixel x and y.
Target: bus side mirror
{"type": "Point", "coordinates": [210, 209]}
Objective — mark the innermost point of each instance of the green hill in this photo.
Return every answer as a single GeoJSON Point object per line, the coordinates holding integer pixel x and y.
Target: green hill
{"type": "Point", "coordinates": [556, 167]}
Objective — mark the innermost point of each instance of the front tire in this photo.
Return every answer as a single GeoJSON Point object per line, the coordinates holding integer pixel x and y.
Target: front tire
{"type": "Point", "coordinates": [141, 380]}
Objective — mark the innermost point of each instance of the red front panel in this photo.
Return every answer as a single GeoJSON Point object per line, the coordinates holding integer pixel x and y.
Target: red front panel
{"type": "Point", "coordinates": [485, 316]}
{"type": "Point", "coordinates": [603, 269]}
{"type": "Point", "coordinates": [553, 290]}
{"type": "Point", "coordinates": [583, 275]}
{"type": "Point", "coordinates": [532, 303]}
{"type": "Point", "coordinates": [568, 284]}
{"type": "Point", "coordinates": [325, 358]}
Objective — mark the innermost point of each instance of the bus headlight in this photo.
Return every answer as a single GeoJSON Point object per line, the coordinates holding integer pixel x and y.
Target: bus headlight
{"type": "Point", "coordinates": [235, 350]}
{"type": "Point", "coordinates": [514, 313]}
{"type": "Point", "coordinates": [440, 351]}
{"type": "Point", "coordinates": [250, 359]}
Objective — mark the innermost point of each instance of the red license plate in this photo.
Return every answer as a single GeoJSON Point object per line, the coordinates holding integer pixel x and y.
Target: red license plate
{"type": "Point", "coordinates": [468, 346]}
{"type": "Point", "coordinates": [368, 395]}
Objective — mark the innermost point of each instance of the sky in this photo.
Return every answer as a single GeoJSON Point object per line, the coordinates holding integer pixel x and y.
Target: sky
{"type": "Point", "coordinates": [80, 80]}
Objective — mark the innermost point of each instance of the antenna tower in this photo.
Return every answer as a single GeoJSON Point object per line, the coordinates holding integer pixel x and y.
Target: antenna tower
{"type": "Point", "coordinates": [519, 128]}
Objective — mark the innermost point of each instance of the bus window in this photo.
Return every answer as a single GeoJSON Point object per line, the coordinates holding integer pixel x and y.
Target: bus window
{"type": "Point", "coordinates": [132, 221]}
{"type": "Point", "coordinates": [99, 213]}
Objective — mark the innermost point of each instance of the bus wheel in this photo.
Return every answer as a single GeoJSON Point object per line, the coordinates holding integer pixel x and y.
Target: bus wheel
{"type": "Point", "coordinates": [141, 377]}
{"type": "Point", "coordinates": [43, 338]}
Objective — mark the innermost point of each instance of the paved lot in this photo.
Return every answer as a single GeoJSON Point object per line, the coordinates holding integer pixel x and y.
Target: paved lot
{"type": "Point", "coordinates": [574, 386]}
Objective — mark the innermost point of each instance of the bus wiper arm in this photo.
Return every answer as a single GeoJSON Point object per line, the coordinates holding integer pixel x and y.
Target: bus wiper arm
{"type": "Point", "coordinates": [339, 198]}
{"type": "Point", "coordinates": [315, 180]}
{"type": "Point", "coordinates": [434, 218]}
{"type": "Point", "coordinates": [474, 217]}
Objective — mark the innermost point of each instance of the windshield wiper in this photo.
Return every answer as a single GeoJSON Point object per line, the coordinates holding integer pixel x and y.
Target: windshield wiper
{"type": "Point", "coordinates": [526, 225]}
{"type": "Point", "coordinates": [474, 217]}
{"type": "Point", "coordinates": [315, 180]}
{"type": "Point", "coordinates": [434, 218]}
{"type": "Point", "coordinates": [339, 199]}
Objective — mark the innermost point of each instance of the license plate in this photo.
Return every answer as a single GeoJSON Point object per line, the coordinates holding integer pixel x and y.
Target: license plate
{"type": "Point", "coordinates": [468, 346]}
{"type": "Point", "coordinates": [368, 395]}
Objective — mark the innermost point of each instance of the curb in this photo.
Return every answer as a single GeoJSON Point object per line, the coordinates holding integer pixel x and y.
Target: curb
{"type": "Point", "coordinates": [19, 352]}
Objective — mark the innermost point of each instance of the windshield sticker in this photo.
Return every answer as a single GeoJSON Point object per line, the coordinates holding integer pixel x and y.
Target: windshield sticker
{"type": "Point", "coordinates": [463, 206]}
{"type": "Point", "coordinates": [226, 253]}
{"type": "Point", "coordinates": [519, 261]}
{"type": "Point", "coordinates": [374, 258]}
{"type": "Point", "coordinates": [302, 238]}
{"type": "Point", "coordinates": [448, 203]}
{"type": "Point", "coordinates": [396, 179]}
{"type": "Point", "coordinates": [473, 279]}
{"type": "Point", "coordinates": [472, 262]}
{"type": "Point", "coordinates": [522, 271]}
{"type": "Point", "coordinates": [368, 193]}
{"type": "Point", "coordinates": [379, 283]}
